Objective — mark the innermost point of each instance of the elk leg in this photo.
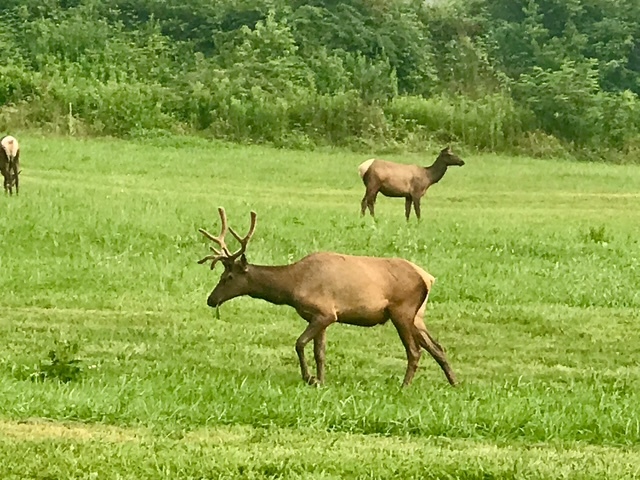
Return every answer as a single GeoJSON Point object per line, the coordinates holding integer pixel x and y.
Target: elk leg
{"type": "Point", "coordinates": [427, 342]}
{"type": "Point", "coordinates": [316, 327]}
{"type": "Point", "coordinates": [413, 358]}
{"type": "Point", "coordinates": [15, 175]}
{"type": "Point", "coordinates": [371, 201]}
{"type": "Point", "coordinates": [363, 204]}
{"type": "Point", "coordinates": [407, 207]}
{"type": "Point", "coordinates": [319, 343]}
{"type": "Point", "coordinates": [369, 198]}
{"type": "Point", "coordinates": [366, 200]}
{"type": "Point", "coordinates": [416, 206]}
{"type": "Point", "coordinates": [405, 331]}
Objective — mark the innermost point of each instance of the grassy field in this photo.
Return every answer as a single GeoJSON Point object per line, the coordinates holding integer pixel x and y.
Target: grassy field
{"type": "Point", "coordinates": [537, 302]}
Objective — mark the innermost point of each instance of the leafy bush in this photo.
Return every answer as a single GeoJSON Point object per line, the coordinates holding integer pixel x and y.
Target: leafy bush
{"type": "Point", "coordinates": [494, 75]}
{"type": "Point", "coordinates": [564, 101]}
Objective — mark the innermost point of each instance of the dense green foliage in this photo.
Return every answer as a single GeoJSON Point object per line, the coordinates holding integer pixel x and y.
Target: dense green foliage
{"type": "Point", "coordinates": [105, 325]}
{"type": "Point", "coordinates": [536, 75]}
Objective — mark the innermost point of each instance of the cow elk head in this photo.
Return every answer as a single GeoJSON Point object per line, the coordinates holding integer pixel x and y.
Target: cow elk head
{"type": "Point", "coordinates": [449, 158]}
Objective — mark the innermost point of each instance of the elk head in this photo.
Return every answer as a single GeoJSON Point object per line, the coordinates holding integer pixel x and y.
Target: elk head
{"type": "Point", "coordinates": [234, 281]}
{"type": "Point", "coordinates": [449, 158]}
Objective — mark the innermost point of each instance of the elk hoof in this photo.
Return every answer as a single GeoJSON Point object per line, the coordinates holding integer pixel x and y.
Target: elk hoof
{"type": "Point", "coordinates": [313, 381]}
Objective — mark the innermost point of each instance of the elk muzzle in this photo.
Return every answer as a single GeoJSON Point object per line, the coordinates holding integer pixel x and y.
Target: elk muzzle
{"type": "Point", "coordinates": [218, 297]}
{"type": "Point", "coordinates": [213, 302]}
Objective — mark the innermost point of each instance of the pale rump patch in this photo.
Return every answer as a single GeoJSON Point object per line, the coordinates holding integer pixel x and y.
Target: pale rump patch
{"type": "Point", "coordinates": [429, 280]}
{"type": "Point", "coordinates": [10, 146]}
{"type": "Point", "coordinates": [364, 166]}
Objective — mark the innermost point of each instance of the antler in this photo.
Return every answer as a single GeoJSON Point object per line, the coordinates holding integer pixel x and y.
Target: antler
{"type": "Point", "coordinates": [224, 253]}
{"type": "Point", "coordinates": [245, 240]}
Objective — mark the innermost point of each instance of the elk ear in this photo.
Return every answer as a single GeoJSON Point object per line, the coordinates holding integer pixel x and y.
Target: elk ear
{"type": "Point", "coordinates": [243, 263]}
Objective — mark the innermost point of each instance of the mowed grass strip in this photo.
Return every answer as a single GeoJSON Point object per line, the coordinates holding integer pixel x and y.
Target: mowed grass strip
{"type": "Point", "coordinates": [536, 301]}
{"type": "Point", "coordinates": [56, 450]}
{"type": "Point", "coordinates": [173, 372]}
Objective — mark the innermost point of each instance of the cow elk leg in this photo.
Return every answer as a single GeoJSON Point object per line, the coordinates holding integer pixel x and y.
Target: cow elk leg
{"type": "Point", "coordinates": [15, 175]}
{"type": "Point", "coordinates": [369, 199]}
{"type": "Point", "coordinates": [371, 202]}
{"type": "Point", "coordinates": [416, 206]}
{"type": "Point", "coordinates": [407, 207]}
{"type": "Point", "coordinates": [363, 205]}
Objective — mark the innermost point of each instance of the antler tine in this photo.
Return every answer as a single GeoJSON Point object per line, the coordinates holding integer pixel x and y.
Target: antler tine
{"type": "Point", "coordinates": [215, 259]}
{"type": "Point", "coordinates": [220, 238]}
{"type": "Point", "coordinates": [244, 240]}
{"type": "Point", "coordinates": [224, 251]}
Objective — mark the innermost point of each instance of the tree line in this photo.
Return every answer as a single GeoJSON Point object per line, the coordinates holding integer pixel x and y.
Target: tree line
{"type": "Point", "coordinates": [537, 76]}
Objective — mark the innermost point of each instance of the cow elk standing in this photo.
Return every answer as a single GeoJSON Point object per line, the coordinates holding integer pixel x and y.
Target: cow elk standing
{"type": "Point", "coordinates": [325, 288]}
{"type": "Point", "coordinates": [399, 180]}
{"type": "Point", "coordinates": [10, 163]}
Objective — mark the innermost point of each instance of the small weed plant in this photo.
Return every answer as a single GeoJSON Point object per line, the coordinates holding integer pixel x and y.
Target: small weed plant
{"type": "Point", "coordinates": [60, 365]}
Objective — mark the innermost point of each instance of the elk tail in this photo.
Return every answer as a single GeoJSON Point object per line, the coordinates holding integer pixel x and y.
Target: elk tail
{"type": "Point", "coordinates": [364, 167]}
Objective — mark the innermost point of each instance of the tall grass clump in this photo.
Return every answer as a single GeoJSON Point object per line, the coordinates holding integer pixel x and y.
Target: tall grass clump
{"type": "Point", "coordinates": [490, 122]}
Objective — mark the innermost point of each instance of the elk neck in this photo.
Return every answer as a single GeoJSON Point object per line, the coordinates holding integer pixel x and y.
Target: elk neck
{"type": "Point", "coordinates": [436, 171]}
{"type": "Point", "coordinates": [274, 284]}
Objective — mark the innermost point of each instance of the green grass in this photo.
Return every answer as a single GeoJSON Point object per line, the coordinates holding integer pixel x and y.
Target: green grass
{"type": "Point", "coordinates": [537, 303]}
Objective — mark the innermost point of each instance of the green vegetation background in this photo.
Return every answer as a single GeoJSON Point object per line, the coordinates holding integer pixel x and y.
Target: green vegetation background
{"type": "Point", "coordinates": [544, 77]}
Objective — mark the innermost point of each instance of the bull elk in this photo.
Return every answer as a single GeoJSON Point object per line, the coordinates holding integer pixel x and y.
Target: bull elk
{"type": "Point", "coordinates": [10, 163]}
{"type": "Point", "coordinates": [399, 180]}
{"type": "Point", "coordinates": [325, 288]}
